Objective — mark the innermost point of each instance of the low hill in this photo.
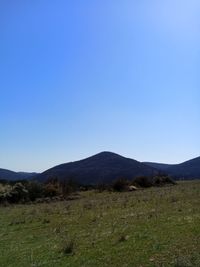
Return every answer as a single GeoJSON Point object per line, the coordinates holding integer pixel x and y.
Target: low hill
{"type": "Point", "coordinates": [159, 166]}
{"type": "Point", "coordinates": [104, 167]}
{"type": "Point", "coordinates": [13, 176]}
{"type": "Point", "coordinates": [187, 170]}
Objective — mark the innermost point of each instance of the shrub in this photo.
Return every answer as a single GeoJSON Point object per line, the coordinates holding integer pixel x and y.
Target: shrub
{"type": "Point", "coordinates": [143, 181]}
{"type": "Point", "coordinates": [51, 190]}
{"type": "Point", "coordinates": [120, 185]}
{"type": "Point", "coordinates": [35, 190]}
{"type": "Point", "coordinates": [15, 194]}
{"type": "Point", "coordinates": [4, 192]}
{"type": "Point", "coordinates": [68, 186]}
{"type": "Point", "coordinates": [161, 180]}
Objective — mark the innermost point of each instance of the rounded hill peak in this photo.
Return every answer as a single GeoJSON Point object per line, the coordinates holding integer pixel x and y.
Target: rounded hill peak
{"type": "Point", "coordinates": [107, 153]}
{"type": "Point", "coordinates": [104, 167]}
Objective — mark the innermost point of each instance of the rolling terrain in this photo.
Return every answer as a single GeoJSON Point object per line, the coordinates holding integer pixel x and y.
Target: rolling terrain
{"type": "Point", "coordinates": [13, 176]}
{"type": "Point", "coordinates": [187, 170]}
{"type": "Point", "coordinates": [104, 167]}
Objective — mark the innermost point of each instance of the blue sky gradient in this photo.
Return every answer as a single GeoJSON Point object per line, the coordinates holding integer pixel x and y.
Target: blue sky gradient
{"type": "Point", "coordinates": [80, 77]}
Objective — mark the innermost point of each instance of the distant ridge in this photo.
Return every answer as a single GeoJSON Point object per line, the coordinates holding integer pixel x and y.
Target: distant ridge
{"type": "Point", "coordinates": [101, 168]}
{"type": "Point", "coordinates": [187, 170]}
{"type": "Point", "coordinates": [13, 176]}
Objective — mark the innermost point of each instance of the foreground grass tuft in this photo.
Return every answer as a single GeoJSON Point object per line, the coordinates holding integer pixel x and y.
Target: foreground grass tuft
{"type": "Point", "coordinates": [68, 247]}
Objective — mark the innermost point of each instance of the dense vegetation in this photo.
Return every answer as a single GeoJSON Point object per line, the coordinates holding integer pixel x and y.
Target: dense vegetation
{"type": "Point", "coordinates": [29, 191]}
{"type": "Point", "coordinates": [54, 189]}
{"type": "Point", "coordinates": [156, 226]}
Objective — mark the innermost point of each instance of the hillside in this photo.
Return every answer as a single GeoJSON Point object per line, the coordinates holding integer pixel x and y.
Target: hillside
{"type": "Point", "coordinates": [106, 167]}
{"type": "Point", "coordinates": [159, 166]}
{"type": "Point", "coordinates": [186, 170]}
{"type": "Point", "coordinates": [12, 176]}
{"type": "Point", "coordinates": [101, 168]}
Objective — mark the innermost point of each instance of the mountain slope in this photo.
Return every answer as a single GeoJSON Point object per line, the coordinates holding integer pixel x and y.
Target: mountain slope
{"type": "Point", "coordinates": [158, 166]}
{"type": "Point", "coordinates": [186, 170]}
{"type": "Point", "coordinates": [12, 176]}
{"type": "Point", "coordinates": [101, 168]}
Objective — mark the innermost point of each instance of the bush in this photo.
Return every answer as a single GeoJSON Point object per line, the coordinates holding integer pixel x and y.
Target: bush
{"type": "Point", "coordinates": [4, 192]}
{"type": "Point", "coordinates": [186, 262]}
{"type": "Point", "coordinates": [120, 185]}
{"type": "Point", "coordinates": [68, 186]}
{"type": "Point", "coordinates": [159, 180]}
{"type": "Point", "coordinates": [162, 180]}
{"type": "Point", "coordinates": [14, 194]}
{"type": "Point", "coordinates": [35, 190]}
{"type": "Point", "coordinates": [51, 190]}
{"type": "Point", "coordinates": [143, 181]}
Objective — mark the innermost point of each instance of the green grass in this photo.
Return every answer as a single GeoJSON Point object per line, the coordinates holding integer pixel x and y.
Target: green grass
{"type": "Point", "coordinates": [151, 227]}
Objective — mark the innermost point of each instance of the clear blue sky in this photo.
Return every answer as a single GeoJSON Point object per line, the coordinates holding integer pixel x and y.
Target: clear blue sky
{"type": "Point", "coordinates": [80, 77]}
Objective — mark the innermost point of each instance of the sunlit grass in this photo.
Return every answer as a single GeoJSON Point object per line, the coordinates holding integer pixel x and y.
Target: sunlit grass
{"type": "Point", "coordinates": [151, 227]}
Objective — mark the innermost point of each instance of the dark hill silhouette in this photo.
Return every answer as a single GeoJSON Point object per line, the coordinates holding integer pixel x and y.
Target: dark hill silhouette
{"type": "Point", "coordinates": [159, 166]}
{"type": "Point", "coordinates": [12, 176]}
{"type": "Point", "coordinates": [187, 170]}
{"type": "Point", "coordinates": [104, 167]}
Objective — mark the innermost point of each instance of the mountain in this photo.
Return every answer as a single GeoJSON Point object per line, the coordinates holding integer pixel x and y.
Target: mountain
{"type": "Point", "coordinates": [187, 170]}
{"type": "Point", "coordinates": [12, 176]}
{"type": "Point", "coordinates": [104, 167]}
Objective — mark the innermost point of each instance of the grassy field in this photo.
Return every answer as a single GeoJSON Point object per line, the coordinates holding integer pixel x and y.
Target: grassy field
{"type": "Point", "coordinates": [151, 227]}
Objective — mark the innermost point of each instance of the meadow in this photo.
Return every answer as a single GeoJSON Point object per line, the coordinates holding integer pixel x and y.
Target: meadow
{"type": "Point", "coordinates": [158, 226]}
